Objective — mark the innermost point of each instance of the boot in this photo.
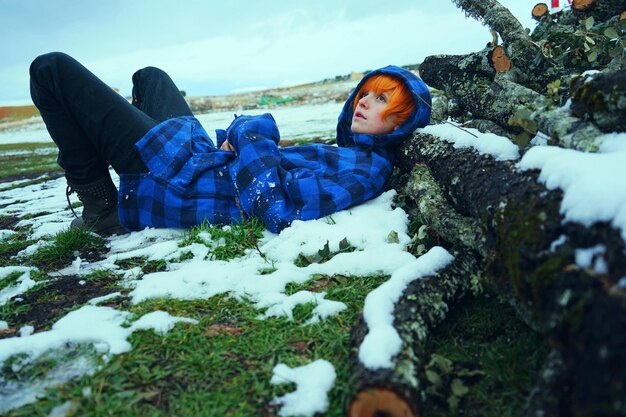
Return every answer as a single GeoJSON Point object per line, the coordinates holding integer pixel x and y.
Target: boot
{"type": "Point", "coordinates": [99, 207]}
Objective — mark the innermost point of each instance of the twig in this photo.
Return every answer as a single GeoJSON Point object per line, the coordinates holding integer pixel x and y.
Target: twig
{"type": "Point", "coordinates": [445, 121]}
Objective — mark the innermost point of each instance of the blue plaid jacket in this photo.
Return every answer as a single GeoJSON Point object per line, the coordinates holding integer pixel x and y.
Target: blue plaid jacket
{"type": "Point", "coordinates": [190, 180]}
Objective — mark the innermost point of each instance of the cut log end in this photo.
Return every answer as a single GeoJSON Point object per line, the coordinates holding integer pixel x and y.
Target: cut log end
{"type": "Point", "coordinates": [498, 59]}
{"type": "Point", "coordinates": [379, 403]}
{"type": "Point", "coordinates": [582, 4]}
{"type": "Point", "coordinates": [539, 11]}
{"type": "Point", "coordinates": [622, 15]}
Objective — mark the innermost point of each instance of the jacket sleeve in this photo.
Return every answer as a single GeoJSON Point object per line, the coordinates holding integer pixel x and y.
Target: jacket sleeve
{"type": "Point", "coordinates": [307, 190]}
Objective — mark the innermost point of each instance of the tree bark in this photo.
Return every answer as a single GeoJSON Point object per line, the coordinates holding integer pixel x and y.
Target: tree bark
{"type": "Point", "coordinates": [581, 312]}
{"type": "Point", "coordinates": [603, 100]}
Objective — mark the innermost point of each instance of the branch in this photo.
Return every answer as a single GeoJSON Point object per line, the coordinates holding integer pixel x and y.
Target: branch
{"type": "Point", "coordinates": [496, 17]}
{"type": "Point", "coordinates": [498, 99]}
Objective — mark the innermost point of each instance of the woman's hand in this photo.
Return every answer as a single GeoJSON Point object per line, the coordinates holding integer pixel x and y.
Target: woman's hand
{"type": "Point", "coordinates": [227, 147]}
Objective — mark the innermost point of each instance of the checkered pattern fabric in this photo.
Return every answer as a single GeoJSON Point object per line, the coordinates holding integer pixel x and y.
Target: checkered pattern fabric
{"type": "Point", "coordinates": [190, 180]}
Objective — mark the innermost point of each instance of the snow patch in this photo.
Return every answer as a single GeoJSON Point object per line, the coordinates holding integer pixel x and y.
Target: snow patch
{"type": "Point", "coordinates": [313, 382]}
{"type": "Point", "coordinates": [100, 326]}
{"type": "Point", "coordinates": [23, 284]}
{"type": "Point", "coordinates": [592, 185]}
{"type": "Point", "coordinates": [500, 147]}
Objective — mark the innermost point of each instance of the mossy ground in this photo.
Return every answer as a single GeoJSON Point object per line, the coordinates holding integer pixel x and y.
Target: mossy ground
{"type": "Point", "coordinates": [223, 365]}
{"type": "Point", "coordinates": [494, 357]}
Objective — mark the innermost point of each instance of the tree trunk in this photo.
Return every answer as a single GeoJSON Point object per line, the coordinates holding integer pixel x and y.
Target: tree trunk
{"type": "Point", "coordinates": [583, 313]}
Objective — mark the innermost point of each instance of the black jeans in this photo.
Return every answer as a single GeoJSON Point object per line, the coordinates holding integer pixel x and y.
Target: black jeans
{"type": "Point", "coordinates": [91, 124]}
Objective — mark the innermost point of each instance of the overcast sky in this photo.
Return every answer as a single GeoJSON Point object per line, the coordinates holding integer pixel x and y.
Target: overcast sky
{"type": "Point", "coordinates": [217, 47]}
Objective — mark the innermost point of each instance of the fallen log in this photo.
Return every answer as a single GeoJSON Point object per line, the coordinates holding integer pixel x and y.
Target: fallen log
{"type": "Point", "coordinates": [397, 391]}
{"type": "Point", "coordinates": [581, 311]}
{"type": "Point", "coordinates": [500, 100]}
{"type": "Point", "coordinates": [487, 126]}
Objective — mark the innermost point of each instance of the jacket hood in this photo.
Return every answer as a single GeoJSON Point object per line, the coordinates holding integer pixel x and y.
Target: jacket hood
{"type": "Point", "coordinates": [419, 118]}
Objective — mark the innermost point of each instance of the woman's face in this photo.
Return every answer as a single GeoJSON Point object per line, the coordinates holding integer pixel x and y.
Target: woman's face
{"type": "Point", "coordinates": [367, 116]}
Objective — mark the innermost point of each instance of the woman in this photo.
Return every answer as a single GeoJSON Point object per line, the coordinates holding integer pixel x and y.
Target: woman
{"type": "Point", "coordinates": [171, 173]}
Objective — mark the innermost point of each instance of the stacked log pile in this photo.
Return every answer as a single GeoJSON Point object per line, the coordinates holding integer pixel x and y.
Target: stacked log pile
{"type": "Point", "coordinates": [502, 224]}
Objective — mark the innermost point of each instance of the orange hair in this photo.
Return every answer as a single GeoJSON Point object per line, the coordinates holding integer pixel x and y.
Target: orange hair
{"type": "Point", "coordinates": [400, 102]}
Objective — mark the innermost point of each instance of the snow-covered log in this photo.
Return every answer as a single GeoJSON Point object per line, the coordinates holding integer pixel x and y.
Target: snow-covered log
{"type": "Point", "coordinates": [530, 259]}
{"type": "Point", "coordinates": [396, 391]}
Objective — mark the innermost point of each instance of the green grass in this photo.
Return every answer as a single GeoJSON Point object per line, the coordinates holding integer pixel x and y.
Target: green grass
{"type": "Point", "coordinates": [10, 280]}
{"type": "Point", "coordinates": [147, 266]}
{"type": "Point", "coordinates": [223, 365]}
{"type": "Point", "coordinates": [11, 245]}
{"type": "Point", "coordinates": [26, 160]}
{"type": "Point", "coordinates": [232, 241]}
{"type": "Point", "coordinates": [65, 246]}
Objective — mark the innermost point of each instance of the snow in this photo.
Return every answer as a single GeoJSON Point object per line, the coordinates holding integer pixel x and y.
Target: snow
{"type": "Point", "coordinates": [591, 182]}
{"type": "Point", "coordinates": [558, 242]}
{"type": "Point", "coordinates": [98, 300]}
{"type": "Point", "coordinates": [500, 147]}
{"type": "Point", "coordinates": [63, 410]}
{"type": "Point", "coordinates": [15, 394]}
{"type": "Point", "coordinates": [6, 233]}
{"type": "Point", "coordinates": [100, 326]}
{"type": "Point", "coordinates": [313, 382]}
{"type": "Point", "coordinates": [26, 331]}
{"type": "Point", "coordinates": [23, 284]}
{"type": "Point", "coordinates": [247, 278]}
{"type": "Point", "coordinates": [382, 342]}
{"type": "Point", "coordinates": [592, 258]}
{"type": "Point", "coordinates": [325, 308]}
